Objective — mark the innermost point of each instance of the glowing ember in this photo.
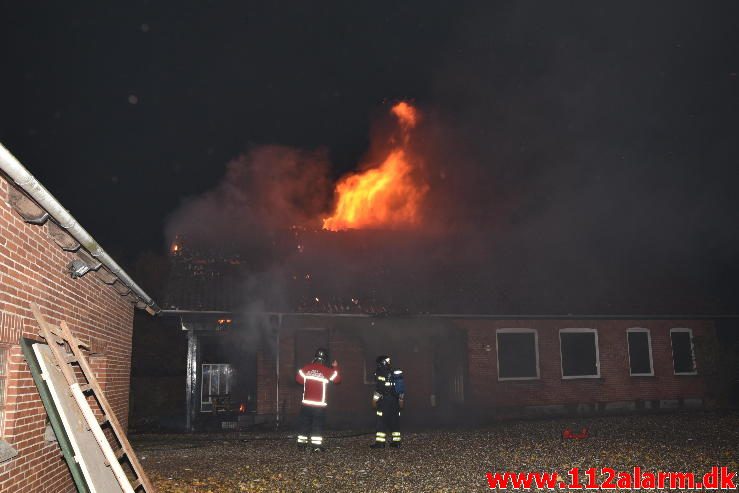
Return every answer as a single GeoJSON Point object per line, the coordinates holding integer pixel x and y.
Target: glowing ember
{"type": "Point", "coordinates": [386, 196]}
{"type": "Point", "coordinates": [407, 115]}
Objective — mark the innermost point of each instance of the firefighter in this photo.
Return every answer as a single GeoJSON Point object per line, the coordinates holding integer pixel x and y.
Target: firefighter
{"type": "Point", "coordinates": [388, 400]}
{"type": "Point", "coordinates": [315, 377]}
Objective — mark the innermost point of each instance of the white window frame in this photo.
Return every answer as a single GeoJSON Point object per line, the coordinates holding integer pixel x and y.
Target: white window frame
{"type": "Point", "coordinates": [202, 384]}
{"type": "Point", "coordinates": [692, 352]}
{"type": "Point", "coordinates": [536, 352]}
{"type": "Point", "coordinates": [597, 353]}
{"type": "Point", "coordinates": [649, 344]}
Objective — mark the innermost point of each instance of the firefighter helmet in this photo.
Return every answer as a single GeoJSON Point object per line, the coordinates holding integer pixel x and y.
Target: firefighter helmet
{"type": "Point", "coordinates": [383, 362]}
{"type": "Point", "coordinates": [321, 356]}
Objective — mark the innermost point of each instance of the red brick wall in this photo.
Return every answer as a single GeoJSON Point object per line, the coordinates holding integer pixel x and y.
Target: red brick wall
{"type": "Point", "coordinates": [343, 345]}
{"type": "Point", "coordinates": [33, 268]}
{"type": "Point", "coordinates": [349, 402]}
{"type": "Point", "coordinates": [485, 395]}
{"type": "Point", "coordinates": [614, 385]}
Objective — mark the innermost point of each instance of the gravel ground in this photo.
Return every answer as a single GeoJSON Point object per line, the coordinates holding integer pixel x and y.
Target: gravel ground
{"type": "Point", "coordinates": [443, 460]}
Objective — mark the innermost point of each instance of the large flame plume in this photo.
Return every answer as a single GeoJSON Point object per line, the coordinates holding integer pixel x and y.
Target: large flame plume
{"type": "Point", "coordinates": [385, 196]}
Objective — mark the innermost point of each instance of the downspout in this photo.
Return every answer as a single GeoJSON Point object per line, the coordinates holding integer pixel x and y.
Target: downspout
{"type": "Point", "coordinates": [24, 179]}
{"type": "Point", "coordinates": [191, 383]}
{"type": "Point", "coordinates": [277, 371]}
{"type": "Point", "coordinates": [277, 385]}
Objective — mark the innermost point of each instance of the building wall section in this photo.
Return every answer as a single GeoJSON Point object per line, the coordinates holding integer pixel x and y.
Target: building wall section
{"type": "Point", "coordinates": [614, 389]}
{"type": "Point", "coordinates": [33, 269]}
{"type": "Point", "coordinates": [426, 352]}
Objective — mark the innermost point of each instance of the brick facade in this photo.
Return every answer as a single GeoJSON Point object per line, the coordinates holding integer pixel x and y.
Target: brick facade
{"type": "Point", "coordinates": [484, 396]}
{"type": "Point", "coordinates": [33, 269]}
{"type": "Point", "coordinates": [487, 393]}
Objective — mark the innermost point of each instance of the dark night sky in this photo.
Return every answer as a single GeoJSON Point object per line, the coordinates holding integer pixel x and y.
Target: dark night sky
{"type": "Point", "coordinates": [616, 122]}
{"type": "Point", "coordinates": [210, 78]}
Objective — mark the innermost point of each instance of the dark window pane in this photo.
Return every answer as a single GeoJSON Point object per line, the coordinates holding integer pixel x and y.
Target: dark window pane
{"type": "Point", "coordinates": [682, 352]}
{"type": "Point", "coordinates": [639, 352]}
{"type": "Point", "coordinates": [516, 355]}
{"type": "Point", "coordinates": [578, 354]}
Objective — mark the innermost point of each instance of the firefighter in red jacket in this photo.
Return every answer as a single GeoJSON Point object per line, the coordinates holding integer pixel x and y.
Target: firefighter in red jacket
{"type": "Point", "coordinates": [315, 377]}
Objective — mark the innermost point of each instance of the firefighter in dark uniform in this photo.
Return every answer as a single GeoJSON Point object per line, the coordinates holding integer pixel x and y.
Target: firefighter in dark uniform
{"type": "Point", "coordinates": [315, 377]}
{"type": "Point", "coordinates": [388, 400]}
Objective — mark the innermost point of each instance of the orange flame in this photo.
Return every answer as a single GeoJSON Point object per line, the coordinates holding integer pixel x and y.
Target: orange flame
{"type": "Point", "coordinates": [386, 196]}
{"type": "Point", "coordinates": [407, 115]}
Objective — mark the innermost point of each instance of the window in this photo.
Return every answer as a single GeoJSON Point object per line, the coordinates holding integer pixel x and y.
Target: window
{"type": "Point", "coordinates": [579, 353]}
{"type": "Point", "coordinates": [3, 385]}
{"type": "Point", "coordinates": [518, 354]}
{"type": "Point", "coordinates": [683, 357]}
{"type": "Point", "coordinates": [216, 387]}
{"type": "Point", "coordinates": [640, 352]}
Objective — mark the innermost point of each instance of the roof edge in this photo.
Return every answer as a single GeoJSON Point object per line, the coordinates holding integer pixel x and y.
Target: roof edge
{"type": "Point", "coordinates": [523, 316]}
{"type": "Point", "coordinates": [62, 218]}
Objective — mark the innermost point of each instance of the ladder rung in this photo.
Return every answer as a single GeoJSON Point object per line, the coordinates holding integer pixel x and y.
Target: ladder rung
{"type": "Point", "coordinates": [60, 340]}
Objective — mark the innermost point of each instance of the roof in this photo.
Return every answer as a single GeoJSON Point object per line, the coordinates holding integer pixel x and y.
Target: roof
{"type": "Point", "coordinates": [35, 204]}
{"type": "Point", "coordinates": [367, 273]}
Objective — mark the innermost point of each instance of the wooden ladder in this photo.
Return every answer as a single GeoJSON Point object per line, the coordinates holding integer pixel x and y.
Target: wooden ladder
{"type": "Point", "coordinates": [67, 350]}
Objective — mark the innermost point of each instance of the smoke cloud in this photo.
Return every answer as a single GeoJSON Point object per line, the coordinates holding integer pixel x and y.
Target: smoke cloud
{"type": "Point", "coordinates": [268, 188]}
{"type": "Point", "coordinates": [564, 175]}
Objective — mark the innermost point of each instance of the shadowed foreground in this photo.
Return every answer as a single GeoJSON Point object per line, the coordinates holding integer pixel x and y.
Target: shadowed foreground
{"type": "Point", "coordinates": [438, 460]}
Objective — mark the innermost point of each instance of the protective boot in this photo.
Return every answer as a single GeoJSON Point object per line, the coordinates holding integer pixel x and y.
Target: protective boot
{"type": "Point", "coordinates": [380, 439]}
{"type": "Point", "coordinates": [316, 443]}
{"type": "Point", "coordinates": [395, 439]}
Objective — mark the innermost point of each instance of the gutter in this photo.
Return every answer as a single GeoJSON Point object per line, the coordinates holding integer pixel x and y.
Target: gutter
{"type": "Point", "coordinates": [26, 181]}
{"type": "Point", "coordinates": [178, 312]}
{"type": "Point", "coordinates": [487, 316]}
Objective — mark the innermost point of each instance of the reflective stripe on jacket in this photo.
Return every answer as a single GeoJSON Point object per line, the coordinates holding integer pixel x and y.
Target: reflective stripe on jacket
{"type": "Point", "coordinates": [315, 377]}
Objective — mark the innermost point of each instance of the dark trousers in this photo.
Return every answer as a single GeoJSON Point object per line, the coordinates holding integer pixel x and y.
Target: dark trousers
{"type": "Point", "coordinates": [312, 420]}
{"type": "Point", "coordinates": [388, 420]}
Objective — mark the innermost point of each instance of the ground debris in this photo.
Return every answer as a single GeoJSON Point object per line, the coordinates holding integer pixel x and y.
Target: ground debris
{"type": "Point", "coordinates": [443, 460]}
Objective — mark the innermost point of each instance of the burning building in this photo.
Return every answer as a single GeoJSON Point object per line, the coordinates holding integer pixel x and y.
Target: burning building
{"type": "Point", "coordinates": [241, 362]}
{"type": "Point", "coordinates": [374, 274]}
